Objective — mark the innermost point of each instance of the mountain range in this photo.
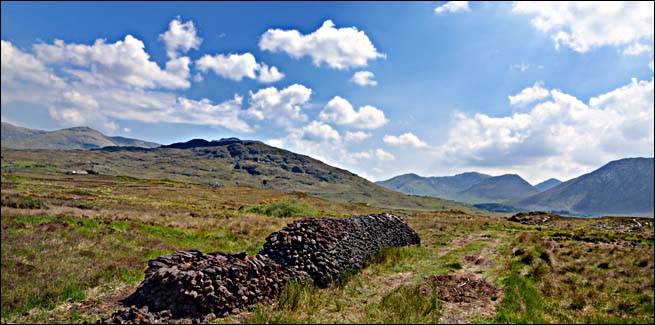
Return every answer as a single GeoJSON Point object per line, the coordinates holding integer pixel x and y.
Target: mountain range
{"type": "Point", "coordinates": [471, 187]}
{"type": "Point", "coordinates": [620, 187]}
{"type": "Point", "coordinates": [85, 138]}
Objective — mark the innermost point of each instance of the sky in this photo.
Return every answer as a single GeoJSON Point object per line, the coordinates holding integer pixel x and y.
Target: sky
{"type": "Point", "coordinates": [379, 88]}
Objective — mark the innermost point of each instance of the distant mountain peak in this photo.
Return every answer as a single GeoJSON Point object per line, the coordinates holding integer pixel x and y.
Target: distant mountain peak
{"type": "Point", "coordinates": [620, 187]}
{"type": "Point", "coordinates": [547, 184]}
{"type": "Point", "coordinates": [80, 137]}
{"type": "Point", "coordinates": [200, 143]}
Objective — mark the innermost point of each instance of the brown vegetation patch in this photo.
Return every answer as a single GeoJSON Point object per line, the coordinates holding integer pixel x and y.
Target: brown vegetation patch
{"type": "Point", "coordinates": [461, 288]}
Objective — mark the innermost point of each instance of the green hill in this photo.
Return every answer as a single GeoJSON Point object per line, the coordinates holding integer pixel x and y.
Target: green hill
{"type": "Point", "coordinates": [230, 162]}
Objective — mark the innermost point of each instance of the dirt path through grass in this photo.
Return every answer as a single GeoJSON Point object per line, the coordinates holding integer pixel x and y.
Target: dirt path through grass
{"type": "Point", "coordinates": [476, 272]}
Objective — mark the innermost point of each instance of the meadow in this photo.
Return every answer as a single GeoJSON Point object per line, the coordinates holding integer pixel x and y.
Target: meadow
{"type": "Point", "coordinates": [74, 245]}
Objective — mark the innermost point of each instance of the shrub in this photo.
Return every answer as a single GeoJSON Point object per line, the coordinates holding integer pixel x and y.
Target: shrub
{"type": "Point", "coordinates": [284, 209]}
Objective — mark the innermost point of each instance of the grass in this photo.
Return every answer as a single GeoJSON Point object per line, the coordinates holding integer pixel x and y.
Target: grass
{"type": "Point", "coordinates": [285, 209]}
{"type": "Point", "coordinates": [76, 244]}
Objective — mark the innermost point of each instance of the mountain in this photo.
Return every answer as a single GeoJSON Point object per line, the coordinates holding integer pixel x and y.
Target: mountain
{"type": "Point", "coordinates": [498, 189]}
{"type": "Point", "coordinates": [227, 162]}
{"type": "Point", "coordinates": [621, 187]}
{"type": "Point", "coordinates": [17, 137]}
{"type": "Point", "coordinates": [547, 184]}
{"type": "Point", "coordinates": [446, 187]}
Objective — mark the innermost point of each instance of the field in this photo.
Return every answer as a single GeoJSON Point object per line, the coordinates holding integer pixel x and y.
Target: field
{"type": "Point", "coordinates": [74, 245]}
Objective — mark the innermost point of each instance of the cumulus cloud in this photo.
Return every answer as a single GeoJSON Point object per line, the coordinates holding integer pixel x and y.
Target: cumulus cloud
{"type": "Point", "coordinates": [24, 76]}
{"type": "Point", "coordinates": [357, 136]}
{"type": "Point", "coordinates": [268, 75]}
{"type": "Point", "coordinates": [180, 37]}
{"type": "Point", "coordinates": [340, 111]}
{"type": "Point", "coordinates": [123, 62]}
{"type": "Point", "coordinates": [282, 106]}
{"type": "Point", "coordinates": [636, 49]}
{"type": "Point", "coordinates": [529, 95]}
{"type": "Point", "coordinates": [405, 139]}
{"type": "Point", "coordinates": [453, 6]}
{"type": "Point", "coordinates": [383, 155]}
{"type": "Point", "coordinates": [94, 96]}
{"type": "Point", "coordinates": [238, 66]}
{"type": "Point", "coordinates": [364, 78]}
{"type": "Point", "coordinates": [583, 25]}
{"type": "Point", "coordinates": [561, 137]}
{"type": "Point", "coordinates": [339, 48]}
{"type": "Point", "coordinates": [232, 66]}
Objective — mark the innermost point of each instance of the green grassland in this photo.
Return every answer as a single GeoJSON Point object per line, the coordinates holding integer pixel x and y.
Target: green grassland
{"type": "Point", "coordinates": [74, 245]}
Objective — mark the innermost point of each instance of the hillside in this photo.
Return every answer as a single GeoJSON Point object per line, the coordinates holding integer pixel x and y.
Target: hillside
{"type": "Point", "coordinates": [446, 187]}
{"type": "Point", "coordinates": [620, 187]}
{"type": "Point", "coordinates": [17, 137]}
{"type": "Point", "coordinates": [229, 162]}
{"type": "Point", "coordinates": [547, 184]}
{"type": "Point", "coordinates": [498, 189]}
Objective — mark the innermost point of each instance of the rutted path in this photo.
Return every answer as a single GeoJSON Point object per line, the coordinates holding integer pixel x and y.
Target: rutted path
{"type": "Point", "coordinates": [469, 293]}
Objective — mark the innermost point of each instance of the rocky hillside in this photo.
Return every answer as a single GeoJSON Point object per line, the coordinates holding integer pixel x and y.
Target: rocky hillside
{"type": "Point", "coordinates": [85, 138]}
{"type": "Point", "coordinates": [228, 162]}
{"type": "Point", "coordinates": [547, 184]}
{"type": "Point", "coordinates": [446, 187]}
{"type": "Point", "coordinates": [620, 187]}
{"type": "Point", "coordinates": [498, 189]}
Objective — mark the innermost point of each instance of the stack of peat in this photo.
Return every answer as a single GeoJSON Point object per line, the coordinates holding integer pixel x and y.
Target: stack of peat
{"type": "Point", "coordinates": [191, 286]}
{"type": "Point", "coordinates": [195, 286]}
{"type": "Point", "coordinates": [324, 248]}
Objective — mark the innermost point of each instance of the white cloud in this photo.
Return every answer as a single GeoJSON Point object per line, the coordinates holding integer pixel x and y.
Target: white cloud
{"type": "Point", "coordinates": [24, 76]}
{"type": "Point", "coordinates": [361, 155]}
{"type": "Point", "coordinates": [383, 155]}
{"type": "Point", "coordinates": [357, 136]}
{"type": "Point", "coordinates": [238, 66]}
{"type": "Point", "coordinates": [404, 139]}
{"type": "Point", "coordinates": [562, 137]}
{"type": "Point", "coordinates": [319, 132]}
{"type": "Point", "coordinates": [282, 106]}
{"type": "Point", "coordinates": [636, 49]}
{"type": "Point", "coordinates": [268, 75]}
{"type": "Point", "coordinates": [583, 25]}
{"type": "Point", "coordinates": [180, 37]}
{"type": "Point", "coordinates": [95, 97]}
{"type": "Point", "coordinates": [453, 6]}
{"type": "Point", "coordinates": [127, 130]}
{"type": "Point", "coordinates": [122, 63]}
{"type": "Point", "coordinates": [529, 95]}
{"type": "Point", "coordinates": [339, 48]}
{"type": "Point", "coordinates": [364, 78]}
{"type": "Point", "coordinates": [232, 66]}
{"type": "Point", "coordinates": [523, 67]}
{"type": "Point", "coordinates": [340, 111]}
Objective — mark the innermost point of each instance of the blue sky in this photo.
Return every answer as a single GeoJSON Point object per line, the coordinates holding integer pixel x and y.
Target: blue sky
{"type": "Point", "coordinates": [580, 77]}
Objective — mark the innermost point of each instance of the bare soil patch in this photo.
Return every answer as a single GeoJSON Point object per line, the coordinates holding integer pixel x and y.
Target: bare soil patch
{"type": "Point", "coordinates": [466, 295]}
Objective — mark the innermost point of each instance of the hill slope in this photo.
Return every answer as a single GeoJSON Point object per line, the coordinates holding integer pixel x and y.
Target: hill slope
{"type": "Point", "coordinates": [446, 187]}
{"type": "Point", "coordinates": [620, 187]}
{"type": "Point", "coordinates": [547, 184]}
{"type": "Point", "coordinates": [229, 162]}
{"type": "Point", "coordinates": [17, 137]}
{"type": "Point", "coordinates": [498, 189]}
